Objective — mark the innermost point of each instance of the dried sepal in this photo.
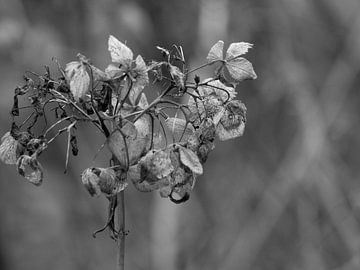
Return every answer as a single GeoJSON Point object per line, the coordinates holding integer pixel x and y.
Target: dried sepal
{"type": "Point", "coordinates": [9, 149]}
{"type": "Point", "coordinates": [179, 127]}
{"type": "Point", "coordinates": [156, 165]}
{"type": "Point", "coordinates": [233, 68]}
{"type": "Point", "coordinates": [140, 182]}
{"type": "Point", "coordinates": [143, 102]}
{"type": "Point", "coordinates": [217, 88]}
{"type": "Point", "coordinates": [113, 71]}
{"type": "Point", "coordinates": [232, 123]}
{"type": "Point", "coordinates": [240, 69]}
{"type": "Point", "coordinates": [237, 49]}
{"type": "Point", "coordinates": [190, 160]}
{"type": "Point", "coordinates": [139, 77]}
{"type": "Point", "coordinates": [30, 168]}
{"type": "Point", "coordinates": [99, 181]}
{"type": "Point", "coordinates": [131, 142]}
{"type": "Point", "coordinates": [216, 52]}
{"type": "Point", "coordinates": [78, 79]}
{"type": "Point", "coordinates": [98, 74]}
{"type": "Point", "coordinates": [120, 53]}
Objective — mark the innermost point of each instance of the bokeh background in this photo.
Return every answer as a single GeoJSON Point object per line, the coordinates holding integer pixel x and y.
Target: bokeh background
{"type": "Point", "coordinates": [286, 195]}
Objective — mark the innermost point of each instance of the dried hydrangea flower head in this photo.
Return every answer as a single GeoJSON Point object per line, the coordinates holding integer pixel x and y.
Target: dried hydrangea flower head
{"type": "Point", "coordinates": [158, 145]}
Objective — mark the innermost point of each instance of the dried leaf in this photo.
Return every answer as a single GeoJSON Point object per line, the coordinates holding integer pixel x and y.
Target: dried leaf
{"type": "Point", "coordinates": [8, 149]}
{"type": "Point", "coordinates": [237, 49]}
{"type": "Point", "coordinates": [216, 52]}
{"type": "Point", "coordinates": [119, 52]}
{"type": "Point", "coordinates": [78, 79]}
{"type": "Point", "coordinates": [30, 168]}
{"type": "Point", "coordinates": [232, 124]}
{"type": "Point", "coordinates": [179, 127]}
{"type": "Point", "coordinates": [240, 69]}
{"type": "Point", "coordinates": [190, 160]}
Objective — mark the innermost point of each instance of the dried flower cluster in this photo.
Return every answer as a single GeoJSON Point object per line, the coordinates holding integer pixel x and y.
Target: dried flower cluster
{"type": "Point", "coordinates": [158, 145]}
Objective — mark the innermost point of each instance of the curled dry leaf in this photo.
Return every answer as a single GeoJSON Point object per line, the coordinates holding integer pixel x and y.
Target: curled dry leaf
{"type": "Point", "coordinates": [78, 79]}
{"type": "Point", "coordinates": [30, 168]}
{"type": "Point", "coordinates": [119, 52]}
{"type": "Point", "coordinates": [8, 149]}
{"type": "Point", "coordinates": [102, 180]}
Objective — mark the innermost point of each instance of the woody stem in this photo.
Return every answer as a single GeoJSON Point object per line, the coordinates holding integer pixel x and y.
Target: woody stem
{"type": "Point", "coordinates": [121, 228]}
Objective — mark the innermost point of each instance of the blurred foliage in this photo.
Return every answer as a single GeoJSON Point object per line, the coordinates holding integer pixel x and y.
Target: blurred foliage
{"type": "Point", "coordinates": [284, 196]}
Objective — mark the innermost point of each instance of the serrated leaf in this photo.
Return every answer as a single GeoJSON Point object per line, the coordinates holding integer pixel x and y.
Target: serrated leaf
{"type": "Point", "coordinates": [119, 52]}
{"type": "Point", "coordinates": [232, 124]}
{"type": "Point", "coordinates": [179, 127]}
{"type": "Point", "coordinates": [30, 168]}
{"type": "Point", "coordinates": [237, 49]}
{"type": "Point", "coordinates": [8, 149]}
{"type": "Point", "coordinates": [78, 79]}
{"type": "Point", "coordinates": [190, 160]}
{"type": "Point", "coordinates": [240, 69]}
{"type": "Point", "coordinates": [216, 52]}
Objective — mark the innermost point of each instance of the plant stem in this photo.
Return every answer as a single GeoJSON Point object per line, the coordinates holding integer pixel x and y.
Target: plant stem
{"type": "Point", "coordinates": [120, 265]}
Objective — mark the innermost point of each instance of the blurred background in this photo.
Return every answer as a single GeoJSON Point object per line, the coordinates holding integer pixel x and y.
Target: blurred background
{"type": "Point", "coordinates": [286, 195]}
